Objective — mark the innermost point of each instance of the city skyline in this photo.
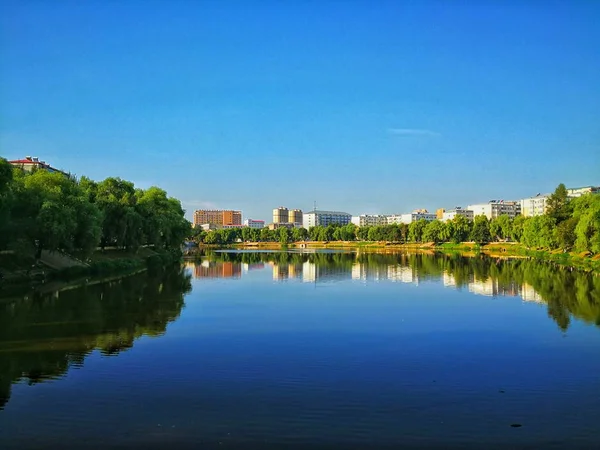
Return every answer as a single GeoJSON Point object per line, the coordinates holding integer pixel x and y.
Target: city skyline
{"type": "Point", "coordinates": [372, 108]}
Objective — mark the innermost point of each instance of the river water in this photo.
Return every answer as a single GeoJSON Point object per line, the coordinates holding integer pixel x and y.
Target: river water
{"type": "Point", "coordinates": [261, 350]}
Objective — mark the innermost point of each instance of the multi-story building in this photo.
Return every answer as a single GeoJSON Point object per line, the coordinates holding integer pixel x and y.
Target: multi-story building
{"type": "Point", "coordinates": [578, 192]}
{"type": "Point", "coordinates": [281, 215]}
{"type": "Point", "coordinates": [217, 217]}
{"type": "Point", "coordinates": [458, 211]}
{"type": "Point", "coordinates": [295, 216]}
{"type": "Point", "coordinates": [31, 163]}
{"type": "Point", "coordinates": [369, 220]}
{"type": "Point", "coordinates": [439, 213]}
{"type": "Point", "coordinates": [414, 216]}
{"type": "Point", "coordinates": [251, 223]}
{"type": "Point", "coordinates": [324, 218]}
{"type": "Point", "coordinates": [534, 206]}
{"type": "Point", "coordinates": [496, 208]}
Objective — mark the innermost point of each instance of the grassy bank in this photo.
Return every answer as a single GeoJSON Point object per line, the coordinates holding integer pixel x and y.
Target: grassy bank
{"type": "Point", "coordinates": [20, 269]}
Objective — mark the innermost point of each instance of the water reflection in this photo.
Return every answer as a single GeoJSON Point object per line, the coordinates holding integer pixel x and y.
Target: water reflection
{"type": "Point", "coordinates": [44, 334]}
{"type": "Point", "coordinates": [567, 293]}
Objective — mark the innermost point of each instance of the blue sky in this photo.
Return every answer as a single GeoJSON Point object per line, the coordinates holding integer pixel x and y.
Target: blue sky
{"type": "Point", "coordinates": [366, 107]}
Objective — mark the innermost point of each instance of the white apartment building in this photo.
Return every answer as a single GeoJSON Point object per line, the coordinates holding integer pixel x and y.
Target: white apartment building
{"type": "Point", "coordinates": [324, 218]}
{"type": "Point", "coordinates": [369, 220]}
{"type": "Point", "coordinates": [452, 213]}
{"type": "Point", "coordinates": [411, 217]}
{"type": "Point", "coordinates": [578, 192]}
{"type": "Point", "coordinates": [251, 223]}
{"type": "Point", "coordinates": [534, 206]}
{"type": "Point", "coordinates": [495, 208]}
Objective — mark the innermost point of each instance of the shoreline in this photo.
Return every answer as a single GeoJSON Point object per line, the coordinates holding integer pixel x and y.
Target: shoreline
{"type": "Point", "coordinates": [495, 249]}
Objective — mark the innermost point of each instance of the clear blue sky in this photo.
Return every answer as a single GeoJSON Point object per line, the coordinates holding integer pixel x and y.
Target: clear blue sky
{"type": "Point", "coordinates": [366, 107]}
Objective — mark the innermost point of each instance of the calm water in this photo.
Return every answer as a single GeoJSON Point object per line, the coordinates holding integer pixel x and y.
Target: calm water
{"type": "Point", "coordinates": [326, 350]}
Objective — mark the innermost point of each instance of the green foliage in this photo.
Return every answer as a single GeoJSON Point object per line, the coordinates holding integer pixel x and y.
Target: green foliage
{"type": "Point", "coordinates": [501, 228]}
{"type": "Point", "coordinates": [586, 210]}
{"type": "Point", "coordinates": [558, 204]}
{"type": "Point", "coordinates": [539, 232]}
{"type": "Point", "coordinates": [416, 229]}
{"type": "Point", "coordinates": [481, 230]}
{"type": "Point", "coordinates": [51, 211]}
{"type": "Point", "coordinates": [436, 232]}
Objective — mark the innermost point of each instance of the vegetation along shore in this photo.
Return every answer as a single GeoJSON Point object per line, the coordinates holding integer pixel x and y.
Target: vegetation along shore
{"type": "Point", "coordinates": [54, 225]}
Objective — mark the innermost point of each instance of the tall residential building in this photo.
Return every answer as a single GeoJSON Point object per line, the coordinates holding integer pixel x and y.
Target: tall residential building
{"type": "Point", "coordinates": [495, 208]}
{"type": "Point", "coordinates": [281, 215]}
{"type": "Point", "coordinates": [458, 211]}
{"type": "Point", "coordinates": [439, 213]}
{"type": "Point", "coordinates": [324, 218]}
{"type": "Point", "coordinates": [295, 216]}
{"type": "Point", "coordinates": [534, 206]}
{"type": "Point", "coordinates": [217, 217]}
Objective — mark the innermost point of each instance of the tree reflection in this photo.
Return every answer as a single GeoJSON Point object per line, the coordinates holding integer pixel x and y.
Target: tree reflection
{"type": "Point", "coordinates": [44, 334]}
{"type": "Point", "coordinates": [567, 293]}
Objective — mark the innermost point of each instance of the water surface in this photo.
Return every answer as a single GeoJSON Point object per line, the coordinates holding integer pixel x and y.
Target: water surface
{"type": "Point", "coordinates": [322, 350]}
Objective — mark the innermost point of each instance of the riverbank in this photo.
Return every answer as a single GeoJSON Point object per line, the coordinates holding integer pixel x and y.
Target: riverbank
{"type": "Point", "coordinates": [582, 261]}
{"type": "Point", "coordinates": [22, 271]}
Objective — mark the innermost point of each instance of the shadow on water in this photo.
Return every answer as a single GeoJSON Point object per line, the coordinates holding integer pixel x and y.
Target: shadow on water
{"type": "Point", "coordinates": [44, 334]}
{"type": "Point", "coordinates": [566, 293]}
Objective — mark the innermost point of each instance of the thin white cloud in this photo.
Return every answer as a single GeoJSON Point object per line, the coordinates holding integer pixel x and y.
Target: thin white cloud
{"type": "Point", "coordinates": [412, 132]}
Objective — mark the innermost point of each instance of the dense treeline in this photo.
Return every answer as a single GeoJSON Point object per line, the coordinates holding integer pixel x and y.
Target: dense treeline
{"type": "Point", "coordinates": [41, 210]}
{"type": "Point", "coordinates": [569, 224]}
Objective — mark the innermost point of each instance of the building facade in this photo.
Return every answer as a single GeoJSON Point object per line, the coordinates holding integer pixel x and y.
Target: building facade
{"type": "Point", "coordinates": [365, 220]}
{"type": "Point", "coordinates": [534, 206]}
{"type": "Point", "coordinates": [295, 216]}
{"type": "Point", "coordinates": [281, 215]}
{"type": "Point", "coordinates": [324, 218]}
{"type": "Point", "coordinates": [578, 192]}
{"type": "Point", "coordinates": [251, 223]}
{"type": "Point", "coordinates": [419, 214]}
{"type": "Point", "coordinates": [452, 213]}
{"type": "Point", "coordinates": [216, 217]}
{"type": "Point", "coordinates": [496, 208]}
{"type": "Point", "coordinates": [31, 163]}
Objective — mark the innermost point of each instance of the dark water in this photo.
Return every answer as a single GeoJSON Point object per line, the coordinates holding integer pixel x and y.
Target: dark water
{"type": "Point", "coordinates": [283, 350]}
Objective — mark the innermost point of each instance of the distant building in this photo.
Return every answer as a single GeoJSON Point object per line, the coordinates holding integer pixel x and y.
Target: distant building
{"type": "Point", "coordinates": [369, 220]}
{"type": "Point", "coordinates": [217, 217]}
{"type": "Point", "coordinates": [578, 192]}
{"type": "Point", "coordinates": [295, 216]}
{"type": "Point", "coordinates": [414, 216]}
{"type": "Point", "coordinates": [496, 208]}
{"type": "Point", "coordinates": [534, 206]}
{"type": "Point", "coordinates": [439, 213]}
{"type": "Point", "coordinates": [324, 218]}
{"type": "Point", "coordinates": [251, 223]}
{"type": "Point", "coordinates": [275, 226]}
{"type": "Point", "coordinates": [458, 211]}
{"type": "Point", "coordinates": [31, 163]}
{"type": "Point", "coordinates": [281, 215]}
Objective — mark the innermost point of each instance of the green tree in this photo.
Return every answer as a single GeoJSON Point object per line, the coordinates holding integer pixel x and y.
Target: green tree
{"type": "Point", "coordinates": [481, 230]}
{"type": "Point", "coordinates": [558, 204]}
{"type": "Point", "coordinates": [539, 231]}
{"type": "Point", "coordinates": [587, 231]}
{"type": "Point", "coordinates": [416, 229]}
{"type": "Point", "coordinates": [435, 231]}
{"type": "Point", "coordinates": [501, 227]}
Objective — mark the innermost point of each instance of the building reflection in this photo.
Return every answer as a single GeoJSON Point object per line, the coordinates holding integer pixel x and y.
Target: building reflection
{"type": "Point", "coordinates": [310, 269]}
{"type": "Point", "coordinates": [215, 269]}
